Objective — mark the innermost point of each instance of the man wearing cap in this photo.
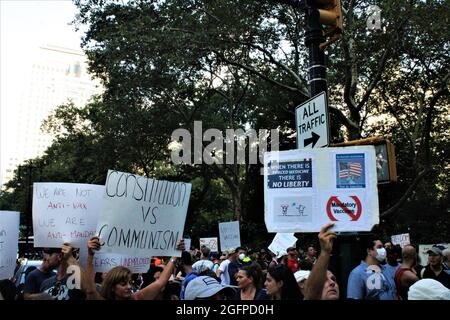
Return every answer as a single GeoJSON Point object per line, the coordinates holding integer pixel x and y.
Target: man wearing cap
{"type": "Point", "coordinates": [207, 288]}
{"type": "Point", "coordinates": [34, 280]}
{"type": "Point", "coordinates": [435, 269]}
{"type": "Point", "coordinates": [292, 260]}
{"type": "Point", "coordinates": [222, 272]}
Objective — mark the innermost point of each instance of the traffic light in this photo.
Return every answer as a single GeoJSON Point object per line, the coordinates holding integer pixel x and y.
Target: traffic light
{"type": "Point", "coordinates": [330, 15]}
{"type": "Point", "coordinates": [384, 157]}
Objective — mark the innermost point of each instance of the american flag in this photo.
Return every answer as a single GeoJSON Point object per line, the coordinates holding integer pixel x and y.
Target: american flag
{"type": "Point", "coordinates": [350, 169]}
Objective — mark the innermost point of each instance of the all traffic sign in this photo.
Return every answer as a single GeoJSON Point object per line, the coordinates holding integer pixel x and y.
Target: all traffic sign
{"type": "Point", "coordinates": [311, 119]}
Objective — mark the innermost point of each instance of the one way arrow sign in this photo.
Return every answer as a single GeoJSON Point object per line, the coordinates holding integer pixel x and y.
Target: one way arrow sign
{"type": "Point", "coordinates": [311, 119]}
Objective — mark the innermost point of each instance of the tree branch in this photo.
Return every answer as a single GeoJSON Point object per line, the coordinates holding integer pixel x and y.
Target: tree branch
{"type": "Point", "coordinates": [408, 192]}
{"type": "Point", "coordinates": [263, 76]}
{"type": "Point", "coordinates": [349, 124]}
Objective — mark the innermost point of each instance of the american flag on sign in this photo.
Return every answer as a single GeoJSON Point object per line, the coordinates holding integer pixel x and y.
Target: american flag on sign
{"type": "Point", "coordinates": [350, 169]}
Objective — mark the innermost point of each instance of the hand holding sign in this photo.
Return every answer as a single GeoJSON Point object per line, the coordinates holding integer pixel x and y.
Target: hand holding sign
{"type": "Point", "coordinates": [326, 238]}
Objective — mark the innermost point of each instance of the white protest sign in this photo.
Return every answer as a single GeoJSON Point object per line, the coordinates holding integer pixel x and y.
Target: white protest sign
{"type": "Point", "coordinates": [281, 242]}
{"type": "Point", "coordinates": [211, 243]}
{"type": "Point", "coordinates": [9, 239]}
{"type": "Point", "coordinates": [423, 248]}
{"type": "Point", "coordinates": [65, 212]}
{"type": "Point", "coordinates": [305, 189]}
{"type": "Point", "coordinates": [103, 262]}
{"type": "Point", "coordinates": [141, 216]}
{"type": "Point", "coordinates": [401, 239]}
{"type": "Point", "coordinates": [229, 235]}
{"type": "Point", "coordinates": [187, 244]}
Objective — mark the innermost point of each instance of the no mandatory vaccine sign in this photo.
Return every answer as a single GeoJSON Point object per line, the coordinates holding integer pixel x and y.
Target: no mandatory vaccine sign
{"type": "Point", "coordinates": [311, 119]}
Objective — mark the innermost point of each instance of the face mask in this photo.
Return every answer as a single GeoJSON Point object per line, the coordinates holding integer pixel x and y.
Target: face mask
{"type": "Point", "coordinates": [241, 256]}
{"type": "Point", "coordinates": [381, 254]}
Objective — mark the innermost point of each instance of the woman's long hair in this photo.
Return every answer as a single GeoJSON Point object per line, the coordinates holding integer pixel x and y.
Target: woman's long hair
{"type": "Point", "coordinates": [290, 289]}
{"type": "Point", "coordinates": [114, 276]}
{"type": "Point", "coordinates": [254, 271]}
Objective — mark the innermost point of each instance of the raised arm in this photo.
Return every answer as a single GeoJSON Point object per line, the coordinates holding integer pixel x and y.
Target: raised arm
{"type": "Point", "coordinates": [88, 276]}
{"type": "Point", "coordinates": [318, 275]}
{"type": "Point", "coordinates": [152, 290]}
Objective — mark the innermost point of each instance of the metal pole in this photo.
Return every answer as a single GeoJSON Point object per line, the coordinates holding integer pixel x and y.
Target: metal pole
{"type": "Point", "coordinates": [313, 38]}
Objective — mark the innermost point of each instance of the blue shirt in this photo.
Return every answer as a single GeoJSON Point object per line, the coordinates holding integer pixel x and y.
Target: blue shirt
{"type": "Point", "coordinates": [190, 276]}
{"type": "Point", "coordinates": [370, 283]}
{"type": "Point", "coordinates": [389, 272]}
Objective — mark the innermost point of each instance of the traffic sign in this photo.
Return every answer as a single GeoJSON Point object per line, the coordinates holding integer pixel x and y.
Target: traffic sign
{"type": "Point", "coordinates": [311, 119]}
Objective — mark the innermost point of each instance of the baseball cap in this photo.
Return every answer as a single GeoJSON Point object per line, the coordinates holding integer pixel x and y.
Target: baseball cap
{"type": "Point", "coordinates": [428, 289]}
{"type": "Point", "coordinates": [301, 275]}
{"type": "Point", "coordinates": [436, 250]}
{"type": "Point", "coordinates": [205, 287]}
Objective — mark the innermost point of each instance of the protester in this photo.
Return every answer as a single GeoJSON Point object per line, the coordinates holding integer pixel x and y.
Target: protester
{"type": "Point", "coordinates": [236, 264]}
{"type": "Point", "coordinates": [35, 278]}
{"type": "Point", "coordinates": [249, 283]}
{"type": "Point", "coordinates": [391, 265]}
{"type": "Point", "coordinates": [322, 284]}
{"type": "Point", "coordinates": [55, 287]}
{"type": "Point", "coordinates": [207, 288]}
{"type": "Point", "coordinates": [292, 260]}
{"type": "Point", "coordinates": [281, 285]}
{"type": "Point", "coordinates": [367, 281]}
{"type": "Point", "coordinates": [117, 283]}
{"type": "Point", "coordinates": [405, 275]}
{"type": "Point", "coordinates": [446, 256]}
{"type": "Point", "coordinates": [186, 262]}
{"type": "Point", "coordinates": [435, 268]}
{"type": "Point", "coordinates": [222, 272]}
{"type": "Point", "coordinates": [204, 263]}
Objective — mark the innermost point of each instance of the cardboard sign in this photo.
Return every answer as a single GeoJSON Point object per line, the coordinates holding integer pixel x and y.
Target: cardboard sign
{"type": "Point", "coordinates": [281, 242]}
{"type": "Point", "coordinates": [230, 237]}
{"type": "Point", "coordinates": [305, 189]}
{"type": "Point", "coordinates": [103, 262]}
{"type": "Point", "coordinates": [211, 243]}
{"type": "Point", "coordinates": [142, 217]}
{"type": "Point", "coordinates": [9, 239]}
{"type": "Point", "coordinates": [401, 239]}
{"type": "Point", "coordinates": [65, 212]}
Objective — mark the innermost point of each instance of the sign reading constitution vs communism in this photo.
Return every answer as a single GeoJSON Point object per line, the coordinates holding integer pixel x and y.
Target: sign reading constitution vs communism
{"type": "Point", "coordinates": [305, 189]}
{"type": "Point", "coordinates": [141, 216]}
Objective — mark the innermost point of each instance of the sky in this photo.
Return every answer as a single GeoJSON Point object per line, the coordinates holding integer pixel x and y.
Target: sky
{"type": "Point", "coordinates": [24, 27]}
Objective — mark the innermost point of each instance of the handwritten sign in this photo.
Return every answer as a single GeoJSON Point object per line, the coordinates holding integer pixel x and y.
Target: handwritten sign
{"type": "Point", "coordinates": [230, 237]}
{"type": "Point", "coordinates": [305, 189]}
{"type": "Point", "coordinates": [141, 216]}
{"type": "Point", "coordinates": [103, 262]}
{"type": "Point", "coordinates": [211, 243]}
{"type": "Point", "coordinates": [401, 239]}
{"type": "Point", "coordinates": [281, 242]}
{"type": "Point", "coordinates": [9, 239]}
{"type": "Point", "coordinates": [65, 212]}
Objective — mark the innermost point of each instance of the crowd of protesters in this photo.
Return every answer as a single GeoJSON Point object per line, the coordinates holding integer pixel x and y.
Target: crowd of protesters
{"type": "Point", "coordinates": [386, 272]}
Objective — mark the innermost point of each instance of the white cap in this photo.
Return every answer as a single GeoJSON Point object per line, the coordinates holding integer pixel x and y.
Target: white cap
{"type": "Point", "coordinates": [428, 289]}
{"type": "Point", "coordinates": [204, 287]}
{"type": "Point", "coordinates": [301, 275]}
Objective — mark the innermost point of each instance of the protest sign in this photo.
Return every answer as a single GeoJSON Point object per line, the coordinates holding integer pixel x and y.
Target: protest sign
{"type": "Point", "coordinates": [9, 239]}
{"type": "Point", "coordinates": [281, 242]}
{"type": "Point", "coordinates": [65, 212]}
{"type": "Point", "coordinates": [187, 244]}
{"type": "Point", "coordinates": [142, 216]}
{"type": "Point", "coordinates": [305, 189]}
{"type": "Point", "coordinates": [103, 262]}
{"type": "Point", "coordinates": [401, 239]}
{"type": "Point", "coordinates": [229, 235]}
{"type": "Point", "coordinates": [211, 243]}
